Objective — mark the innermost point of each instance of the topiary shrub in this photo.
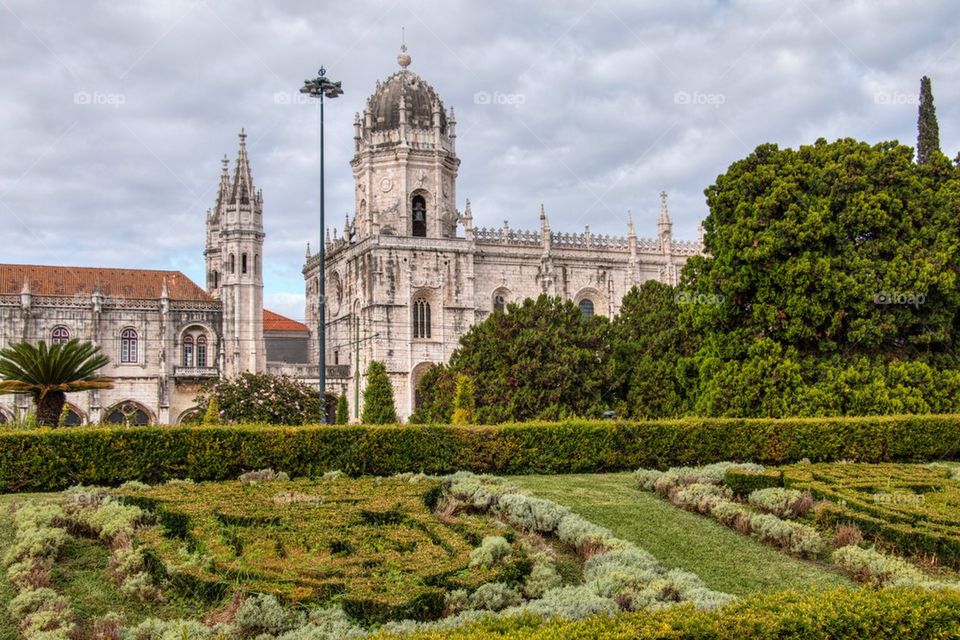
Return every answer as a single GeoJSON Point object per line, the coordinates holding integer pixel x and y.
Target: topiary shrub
{"type": "Point", "coordinates": [463, 402]}
{"type": "Point", "coordinates": [263, 614]}
{"type": "Point", "coordinates": [492, 551]}
{"type": "Point", "coordinates": [543, 577]}
{"type": "Point", "coordinates": [378, 405]}
{"type": "Point", "coordinates": [646, 479]}
{"type": "Point", "coordinates": [783, 503]}
{"type": "Point", "coordinates": [494, 596]}
{"type": "Point", "coordinates": [744, 481]}
{"type": "Point", "coordinates": [343, 412]}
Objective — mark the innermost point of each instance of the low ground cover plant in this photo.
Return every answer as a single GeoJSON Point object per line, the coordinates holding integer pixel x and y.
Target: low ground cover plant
{"type": "Point", "coordinates": [890, 500]}
{"type": "Point", "coordinates": [268, 557]}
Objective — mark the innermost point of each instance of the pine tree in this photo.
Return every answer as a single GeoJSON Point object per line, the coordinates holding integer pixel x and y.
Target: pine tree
{"type": "Point", "coordinates": [928, 132]}
{"type": "Point", "coordinates": [343, 416]}
{"type": "Point", "coordinates": [463, 403]}
{"type": "Point", "coordinates": [378, 407]}
{"type": "Point", "coordinates": [211, 416]}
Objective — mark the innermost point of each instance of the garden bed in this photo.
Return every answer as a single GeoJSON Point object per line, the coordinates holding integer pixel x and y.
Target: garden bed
{"type": "Point", "coordinates": [268, 557]}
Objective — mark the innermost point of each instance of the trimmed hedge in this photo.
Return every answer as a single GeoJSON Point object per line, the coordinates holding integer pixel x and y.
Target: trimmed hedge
{"type": "Point", "coordinates": [743, 482]}
{"type": "Point", "coordinates": [865, 614]}
{"type": "Point", "coordinates": [52, 459]}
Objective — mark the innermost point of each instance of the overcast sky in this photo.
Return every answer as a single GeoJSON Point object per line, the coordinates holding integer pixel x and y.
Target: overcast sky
{"type": "Point", "coordinates": [114, 115]}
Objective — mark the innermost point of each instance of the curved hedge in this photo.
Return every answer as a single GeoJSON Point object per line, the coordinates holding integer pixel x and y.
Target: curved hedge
{"type": "Point", "coordinates": [52, 459]}
{"type": "Point", "coordinates": [889, 614]}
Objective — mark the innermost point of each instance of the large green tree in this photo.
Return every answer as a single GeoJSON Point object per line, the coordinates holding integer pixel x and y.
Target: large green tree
{"type": "Point", "coordinates": [652, 353]}
{"type": "Point", "coordinates": [48, 373]}
{"type": "Point", "coordinates": [928, 131]}
{"type": "Point", "coordinates": [833, 248]}
{"type": "Point", "coordinates": [540, 359]}
{"type": "Point", "coordinates": [820, 257]}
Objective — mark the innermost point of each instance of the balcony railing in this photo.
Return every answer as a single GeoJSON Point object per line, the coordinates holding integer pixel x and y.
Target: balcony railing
{"type": "Point", "coordinates": [196, 372]}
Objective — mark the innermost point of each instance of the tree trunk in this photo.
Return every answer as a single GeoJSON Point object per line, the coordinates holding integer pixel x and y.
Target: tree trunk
{"type": "Point", "coordinates": [49, 408]}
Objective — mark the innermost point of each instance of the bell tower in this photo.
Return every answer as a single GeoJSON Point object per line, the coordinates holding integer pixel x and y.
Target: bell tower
{"type": "Point", "coordinates": [405, 162]}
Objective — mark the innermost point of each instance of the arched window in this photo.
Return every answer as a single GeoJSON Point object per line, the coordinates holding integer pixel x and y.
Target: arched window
{"type": "Point", "coordinates": [202, 351]}
{"type": "Point", "coordinates": [128, 413]}
{"type": "Point", "coordinates": [256, 264]}
{"type": "Point", "coordinates": [419, 216]}
{"type": "Point", "coordinates": [188, 351]}
{"type": "Point", "coordinates": [421, 319]}
{"type": "Point", "coordinates": [216, 279]}
{"type": "Point", "coordinates": [499, 303]}
{"type": "Point", "coordinates": [243, 263]}
{"type": "Point", "coordinates": [71, 418]}
{"type": "Point", "coordinates": [60, 335]}
{"type": "Point", "coordinates": [129, 352]}
{"type": "Point", "coordinates": [586, 308]}
{"type": "Point", "coordinates": [233, 264]}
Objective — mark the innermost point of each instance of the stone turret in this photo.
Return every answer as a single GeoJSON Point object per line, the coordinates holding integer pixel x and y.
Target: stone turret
{"type": "Point", "coordinates": [234, 257]}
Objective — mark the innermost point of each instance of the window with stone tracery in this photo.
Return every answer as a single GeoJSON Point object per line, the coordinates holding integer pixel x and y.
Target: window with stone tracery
{"type": "Point", "coordinates": [60, 335]}
{"type": "Point", "coordinates": [188, 351]}
{"type": "Point", "coordinates": [129, 343]}
{"type": "Point", "coordinates": [202, 351]}
{"type": "Point", "coordinates": [421, 319]}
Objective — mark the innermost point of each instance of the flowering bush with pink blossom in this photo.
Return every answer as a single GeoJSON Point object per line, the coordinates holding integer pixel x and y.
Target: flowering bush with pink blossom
{"type": "Point", "coordinates": [264, 398]}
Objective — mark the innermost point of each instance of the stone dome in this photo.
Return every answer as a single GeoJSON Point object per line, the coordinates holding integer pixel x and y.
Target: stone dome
{"type": "Point", "coordinates": [418, 96]}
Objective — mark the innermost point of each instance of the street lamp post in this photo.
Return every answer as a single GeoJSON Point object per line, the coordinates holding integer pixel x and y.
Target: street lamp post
{"type": "Point", "coordinates": [322, 87]}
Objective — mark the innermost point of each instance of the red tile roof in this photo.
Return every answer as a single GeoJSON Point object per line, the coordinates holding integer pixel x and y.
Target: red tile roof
{"type": "Point", "coordinates": [133, 284]}
{"type": "Point", "coordinates": [276, 322]}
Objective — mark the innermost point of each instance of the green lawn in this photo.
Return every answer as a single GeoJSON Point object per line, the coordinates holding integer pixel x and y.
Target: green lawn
{"type": "Point", "coordinates": [726, 560]}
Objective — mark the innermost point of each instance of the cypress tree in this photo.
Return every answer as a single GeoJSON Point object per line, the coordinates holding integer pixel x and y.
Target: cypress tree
{"type": "Point", "coordinates": [211, 416]}
{"type": "Point", "coordinates": [378, 407]}
{"type": "Point", "coordinates": [342, 411]}
{"type": "Point", "coordinates": [463, 403]}
{"type": "Point", "coordinates": [928, 132]}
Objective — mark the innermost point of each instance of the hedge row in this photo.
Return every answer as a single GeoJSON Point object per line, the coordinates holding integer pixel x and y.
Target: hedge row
{"type": "Point", "coordinates": [52, 459]}
{"type": "Point", "coordinates": [889, 614]}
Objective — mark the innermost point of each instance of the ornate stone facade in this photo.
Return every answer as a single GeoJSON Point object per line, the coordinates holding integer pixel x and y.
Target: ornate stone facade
{"type": "Point", "coordinates": [165, 336]}
{"type": "Point", "coordinates": [410, 274]}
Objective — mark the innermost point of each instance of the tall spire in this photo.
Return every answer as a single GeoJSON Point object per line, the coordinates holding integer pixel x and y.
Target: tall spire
{"type": "Point", "coordinates": [242, 177]}
{"type": "Point", "coordinates": [223, 191]}
{"type": "Point", "coordinates": [631, 232]}
{"type": "Point", "coordinates": [664, 217]}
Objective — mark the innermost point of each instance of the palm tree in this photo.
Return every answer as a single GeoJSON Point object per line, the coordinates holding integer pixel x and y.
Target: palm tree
{"type": "Point", "coordinates": [48, 373]}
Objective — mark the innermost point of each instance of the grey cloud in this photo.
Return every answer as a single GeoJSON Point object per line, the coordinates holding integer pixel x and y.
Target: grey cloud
{"type": "Point", "coordinates": [599, 128]}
